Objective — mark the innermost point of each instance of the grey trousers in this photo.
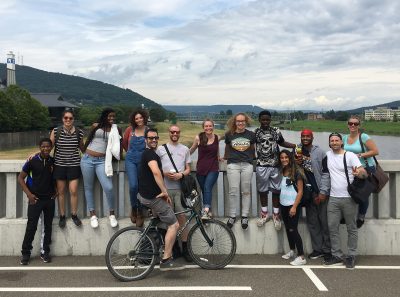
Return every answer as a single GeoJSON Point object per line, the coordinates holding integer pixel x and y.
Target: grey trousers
{"type": "Point", "coordinates": [348, 209]}
{"type": "Point", "coordinates": [239, 179]}
{"type": "Point", "coordinates": [317, 222]}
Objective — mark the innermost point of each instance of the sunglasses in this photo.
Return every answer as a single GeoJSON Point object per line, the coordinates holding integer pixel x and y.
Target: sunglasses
{"type": "Point", "coordinates": [68, 118]}
{"type": "Point", "coordinates": [175, 132]}
{"type": "Point", "coordinates": [353, 123]}
{"type": "Point", "coordinates": [153, 137]}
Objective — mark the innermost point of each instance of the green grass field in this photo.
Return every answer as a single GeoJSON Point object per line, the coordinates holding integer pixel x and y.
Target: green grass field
{"type": "Point", "coordinates": [188, 132]}
{"type": "Point", "coordinates": [376, 128]}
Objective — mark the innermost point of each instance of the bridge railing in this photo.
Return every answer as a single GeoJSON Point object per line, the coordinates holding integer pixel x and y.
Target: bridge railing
{"type": "Point", "coordinates": [13, 202]}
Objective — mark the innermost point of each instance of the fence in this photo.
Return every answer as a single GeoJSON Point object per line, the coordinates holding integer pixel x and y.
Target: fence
{"type": "Point", "coordinates": [383, 216]}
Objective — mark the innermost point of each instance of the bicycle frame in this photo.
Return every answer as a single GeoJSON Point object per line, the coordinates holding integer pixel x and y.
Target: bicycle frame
{"type": "Point", "coordinates": [155, 221]}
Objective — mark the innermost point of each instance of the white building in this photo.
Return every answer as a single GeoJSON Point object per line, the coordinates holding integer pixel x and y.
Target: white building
{"type": "Point", "coordinates": [382, 113]}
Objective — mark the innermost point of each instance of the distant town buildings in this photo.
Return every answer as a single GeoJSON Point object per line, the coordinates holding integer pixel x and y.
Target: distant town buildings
{"type": "Point", "coordinates": [315, 116]}
{"type": "Point", "coordinates": [382, 113]}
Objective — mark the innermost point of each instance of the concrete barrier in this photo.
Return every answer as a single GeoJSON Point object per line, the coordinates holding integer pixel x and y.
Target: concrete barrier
{"type": "Point", "coordinates": [379, 236]}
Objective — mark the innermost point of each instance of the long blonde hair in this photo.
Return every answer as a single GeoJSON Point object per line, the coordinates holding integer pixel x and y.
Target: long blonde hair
{"type": "Point", "coordinates": [231, 124]}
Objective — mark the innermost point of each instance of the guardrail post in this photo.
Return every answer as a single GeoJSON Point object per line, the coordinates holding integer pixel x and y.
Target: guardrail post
{"type": "Point", "coordinates": [11, 195]}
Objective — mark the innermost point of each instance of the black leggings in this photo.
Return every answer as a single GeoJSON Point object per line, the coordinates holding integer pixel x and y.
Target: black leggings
{"type": "Point", "coordinates": [292, 233]}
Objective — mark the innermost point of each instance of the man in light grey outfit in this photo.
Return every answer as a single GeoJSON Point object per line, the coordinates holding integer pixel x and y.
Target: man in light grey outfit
{"type": "Point", "coordinates": [311, 161]}
{"type": "Point", "coordinates": [340, 202]}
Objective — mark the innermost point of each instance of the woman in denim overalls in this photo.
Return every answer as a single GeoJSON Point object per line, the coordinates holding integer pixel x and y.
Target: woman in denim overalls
{"type": "Point", "coordinates": [134, 144]}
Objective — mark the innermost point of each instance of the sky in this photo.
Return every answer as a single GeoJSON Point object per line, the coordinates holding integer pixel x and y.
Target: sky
{"type": "Point", "coordinates": [277, 54]}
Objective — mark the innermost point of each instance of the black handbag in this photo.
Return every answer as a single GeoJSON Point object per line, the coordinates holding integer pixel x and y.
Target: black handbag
{"type": "Point", "coordinates": [359, 189]}
{"type": "Point", "coordinates": [308, 192]}
{"type": "Point", "coordinates": [379, 178]}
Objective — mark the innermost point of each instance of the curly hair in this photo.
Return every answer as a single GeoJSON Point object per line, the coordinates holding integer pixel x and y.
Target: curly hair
{"type": "Point", "coordinates": [102, 123]}
{"type": "Point", "coordinates": [140, 111]}
{"type": "Point", "coordinates": [231, 124]}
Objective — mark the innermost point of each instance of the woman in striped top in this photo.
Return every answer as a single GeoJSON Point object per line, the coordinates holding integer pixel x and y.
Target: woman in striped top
{"type": "Point", "coordinates": [67, 140]}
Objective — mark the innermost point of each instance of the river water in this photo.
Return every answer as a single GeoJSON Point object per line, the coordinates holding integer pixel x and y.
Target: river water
{"type": "Point", "coordinates": [388, 146]}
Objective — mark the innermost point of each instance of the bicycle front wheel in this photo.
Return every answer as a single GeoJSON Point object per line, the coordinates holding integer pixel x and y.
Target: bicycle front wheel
{"type": "Point", "coordinates": [216, 254]}
{"type": "Point", "coordinates": [130, 255]}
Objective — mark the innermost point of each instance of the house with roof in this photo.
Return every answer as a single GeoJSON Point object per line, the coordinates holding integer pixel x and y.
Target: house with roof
{"type": "Point", "coordinates": [55, 104]}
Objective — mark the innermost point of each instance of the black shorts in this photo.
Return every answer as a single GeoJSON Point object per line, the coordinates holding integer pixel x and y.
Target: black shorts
{"type": "Point", "coordinates": [66, 172]}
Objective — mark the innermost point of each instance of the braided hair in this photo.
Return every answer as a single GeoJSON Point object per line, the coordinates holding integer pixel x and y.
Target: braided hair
{"type": "Point", "coordinates": [102, 123]}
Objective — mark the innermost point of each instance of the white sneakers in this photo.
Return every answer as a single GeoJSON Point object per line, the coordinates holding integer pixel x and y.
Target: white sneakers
{"type": "Point", "coordinates": [264, 218]}
{"type": "Point", "coordinates": [94, 222]}
{"type": "Point", "coordinates": [277, 221]}
{"type": "Point", "coordinates": [113, 221]}
{"type": "Point", "coordinates": [288, 255]}
{"type": "Point", "coordinates": [298, 261]}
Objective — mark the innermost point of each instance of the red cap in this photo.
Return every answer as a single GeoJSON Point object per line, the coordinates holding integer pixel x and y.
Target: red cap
{"type": "Point", "coordinates": [307, 132]}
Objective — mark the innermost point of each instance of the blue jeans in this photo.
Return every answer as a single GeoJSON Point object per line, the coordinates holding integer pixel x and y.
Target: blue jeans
{"type": "Point", "coordinates": [363, 206]}
{"type": "Point", "coordinates": [90, 167]}
{"type": "Point", "coordinates": [132, 170]}
{"type": "Point", "coordinates": [207, 183]}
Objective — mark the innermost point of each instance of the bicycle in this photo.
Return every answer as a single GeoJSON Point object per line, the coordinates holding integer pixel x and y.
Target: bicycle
{"type": "Point", "coordinates": [133, 252]}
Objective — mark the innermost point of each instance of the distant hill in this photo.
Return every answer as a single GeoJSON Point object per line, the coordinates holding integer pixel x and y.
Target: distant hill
{"type": "Point", "coordinates": [208, 109]}
{"type": "Point", "coordinates": [361, 109]}
{"type": "Point", "coordinates": [76, 89]}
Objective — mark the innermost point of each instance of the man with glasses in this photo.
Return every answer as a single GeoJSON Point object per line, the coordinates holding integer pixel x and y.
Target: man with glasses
{"type": "Point", "coordinates": [340, 203]}
{"type": "Point", "coordinates": [180, 154]}
{"type": "Point", "coordinates": [153, 194]}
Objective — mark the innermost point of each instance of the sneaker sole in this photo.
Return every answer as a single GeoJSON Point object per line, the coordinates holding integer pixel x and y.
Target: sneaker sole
{"type": "Point", "coordinates": [173, 268]}
{"type": "Point", "coordinates": [316, 257]}
{"type": "Point", "coordinates": [336, 264]}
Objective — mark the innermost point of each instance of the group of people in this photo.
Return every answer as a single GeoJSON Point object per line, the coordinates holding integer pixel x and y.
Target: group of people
{"type": "Point", "coordinates": [154, 173]}
{"type": "Point", "coordinates": [285, 173]}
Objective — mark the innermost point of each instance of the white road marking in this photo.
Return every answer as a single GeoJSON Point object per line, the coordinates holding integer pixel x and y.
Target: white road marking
{"type": "Point", "coordinates": [317, 282]}
{"type": "Point", "coordinates": [50, 268]}
{"type": "Point", "coordinates": [126, 289]}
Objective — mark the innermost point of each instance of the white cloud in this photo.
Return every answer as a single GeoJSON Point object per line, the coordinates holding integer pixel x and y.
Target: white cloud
{"type": "Point", "coordinates": [321, 54]}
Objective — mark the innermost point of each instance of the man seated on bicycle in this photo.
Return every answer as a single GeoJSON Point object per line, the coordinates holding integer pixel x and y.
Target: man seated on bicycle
{"type": "Point", "coordinates": [153, 194]}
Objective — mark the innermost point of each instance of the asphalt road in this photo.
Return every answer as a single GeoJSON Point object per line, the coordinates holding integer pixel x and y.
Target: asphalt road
{"type": "Point", "coordinates": [256, 275]}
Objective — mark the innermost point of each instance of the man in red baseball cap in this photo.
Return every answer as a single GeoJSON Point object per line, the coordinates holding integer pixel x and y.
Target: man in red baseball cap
{"type": "Point", "coordinates": [311, 160]}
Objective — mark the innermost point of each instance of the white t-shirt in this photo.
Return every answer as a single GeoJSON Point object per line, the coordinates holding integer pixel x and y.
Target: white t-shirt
{"type": "Point", "coordinates": [337, 173]}
{"type": "Point", "coordinates": [181, 156]}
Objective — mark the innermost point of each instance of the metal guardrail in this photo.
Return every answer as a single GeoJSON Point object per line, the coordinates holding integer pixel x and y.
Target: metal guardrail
{"type": "Point", "coordinates": [13, 204]}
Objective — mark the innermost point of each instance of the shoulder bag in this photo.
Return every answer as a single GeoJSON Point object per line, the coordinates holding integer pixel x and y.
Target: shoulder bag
{"type": "Point", "coordinates": [379, 178]}
{"type": "Point", "coordinates": [359, 189]}
{"type": "Point", "coordinates": [188, 184]}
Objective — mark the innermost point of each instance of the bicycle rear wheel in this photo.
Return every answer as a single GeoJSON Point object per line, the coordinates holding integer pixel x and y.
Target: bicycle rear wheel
{"type": "Point", "coordinates": [130, 255]}
{"type": "Point", "coordinates": [219, 253]}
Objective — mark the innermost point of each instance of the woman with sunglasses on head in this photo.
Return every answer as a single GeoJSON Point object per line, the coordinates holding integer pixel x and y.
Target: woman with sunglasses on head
{"type": "Point", "coordinates": [352, 144]}
{"type": "Point", "coordinates": [207, 163]}
{"type": "Point", "coordinates": [134, 144]}
{"type": "Point", "coordinates": [239, 153]}
{"type": "Point", "coordinates": [290, 197]}
{"type": "Point", "coordinates": [67, 141]}
{"type": "Point", "coordinates": [103, 139]}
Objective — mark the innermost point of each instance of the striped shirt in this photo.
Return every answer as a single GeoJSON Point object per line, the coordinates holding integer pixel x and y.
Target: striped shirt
{"type": "Point", "coordinates": [67, 148]}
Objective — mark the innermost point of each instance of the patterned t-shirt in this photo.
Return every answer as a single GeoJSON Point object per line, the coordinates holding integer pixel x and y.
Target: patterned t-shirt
{"type": "Point", "coordinates": [267, 146]}
{"type": "Point", "coordinates": [239, 146]}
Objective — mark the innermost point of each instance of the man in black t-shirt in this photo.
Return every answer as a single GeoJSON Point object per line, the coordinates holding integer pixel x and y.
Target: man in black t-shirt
{"type": "Point", "coordinates": [153, 194]}
{"type": "Point", "coordinates": [40, 190]}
